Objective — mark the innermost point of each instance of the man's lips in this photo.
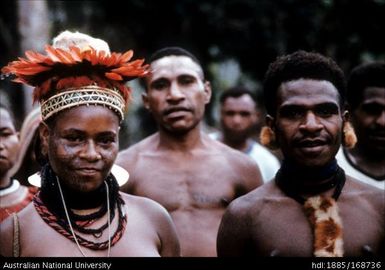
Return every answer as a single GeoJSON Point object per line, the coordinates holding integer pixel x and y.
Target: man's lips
{"type": "Point", "coordinates": [311, 147]}
{"type": "Point", "coordinates": [310, 143]}
{"type": "Point", "coordinates": [378, 136]}
{"type": "Point", "coordinates": [176, 109]}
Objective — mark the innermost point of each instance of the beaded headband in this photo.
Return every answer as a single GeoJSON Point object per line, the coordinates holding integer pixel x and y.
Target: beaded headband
{"type": "Point", "coordinates": [78, 74]}
{"type": "Point", "coordinates": [86, 95]}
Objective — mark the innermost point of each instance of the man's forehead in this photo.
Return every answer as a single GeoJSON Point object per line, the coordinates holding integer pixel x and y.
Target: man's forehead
{"type": "Point", "coordinates": [373, 93]}
{"type": "Point", "coordinates": [176, 65]}
{"type": "Point", "coordinates": [308, 91]}
{"type": "Point", "coordinates": [244, 101]}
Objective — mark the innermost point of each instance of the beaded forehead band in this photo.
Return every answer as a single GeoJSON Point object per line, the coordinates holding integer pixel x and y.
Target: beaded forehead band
{"type": "Point", "coordinates": [76, 75]}
{"type": "Point", "coordinates": [86, 95]}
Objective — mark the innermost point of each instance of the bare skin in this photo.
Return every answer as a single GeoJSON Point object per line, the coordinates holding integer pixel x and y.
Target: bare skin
{"type": "Point", "coordinates": [81, 153]}
{"type": "Point", "coordinates": [369, 123]}
{"type": "Point", "coordinates": [238, 119]}
{"type": "Point", "coordinates": [147, 234]}
{"type": "Point", "coordinates": [285, 231]}
{"type": "Point", "coordinates": [266, 222]}
{"type": "Point", "coordinates": [193, 176]}
{"type": "Point", "coordinates": [195, 186]}
{"type": "Point", "coordinates": [9, 145]}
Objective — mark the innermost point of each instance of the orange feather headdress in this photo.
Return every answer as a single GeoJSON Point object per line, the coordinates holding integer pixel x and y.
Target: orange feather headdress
{"type": "Point", "coordinates": [74, 75]}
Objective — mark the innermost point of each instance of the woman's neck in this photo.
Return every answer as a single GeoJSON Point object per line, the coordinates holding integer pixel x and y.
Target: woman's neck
{"type": "Point", "coordinates": [5, 182]}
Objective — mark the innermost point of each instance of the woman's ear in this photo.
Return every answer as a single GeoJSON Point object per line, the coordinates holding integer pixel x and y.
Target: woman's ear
{"type": "Point", "coordinates": [44, 132]}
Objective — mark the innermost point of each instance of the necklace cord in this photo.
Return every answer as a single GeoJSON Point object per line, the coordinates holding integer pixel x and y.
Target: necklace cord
{"type": "Point", "coordinates": [68, 218]}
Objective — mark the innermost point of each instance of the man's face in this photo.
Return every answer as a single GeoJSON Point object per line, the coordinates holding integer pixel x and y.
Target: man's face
{"type": "Point", "coordinates": [369, 121]}
{"type": "Point", "coordinates": [308, 122]}
{"type": "Point", "coordinates": [238, 117]}
{"type": "Point", "coordinates": [9, 142]}
{"type": "Point", "coordinates": [176, 93]}
{"type": "Point", "coordinates": [82, 146]}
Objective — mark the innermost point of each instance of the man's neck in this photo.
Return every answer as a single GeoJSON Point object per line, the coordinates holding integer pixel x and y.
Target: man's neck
{"type": "Point", "coordinates": [298, 181]}
{"type": "Point", "coordinates": [241, 145]}
{"type": "Point", "coordinates": [180, 142]}
{"type": "Point", "coordinates": [367, 163]}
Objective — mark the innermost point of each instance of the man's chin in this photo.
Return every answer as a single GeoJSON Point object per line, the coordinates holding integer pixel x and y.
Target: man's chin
{"type": "Point", "coordinates": [179, 129]}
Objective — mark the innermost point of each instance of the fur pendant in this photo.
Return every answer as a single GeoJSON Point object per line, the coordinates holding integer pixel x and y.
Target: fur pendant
{"type": "Point", "coordinates": [323, 216]}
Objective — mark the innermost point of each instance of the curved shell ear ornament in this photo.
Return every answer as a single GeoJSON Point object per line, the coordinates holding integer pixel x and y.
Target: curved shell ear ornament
{"type": "Point", "coordinates": [349, 136]}
{"type": "Point", "coordinates": [267, 138]}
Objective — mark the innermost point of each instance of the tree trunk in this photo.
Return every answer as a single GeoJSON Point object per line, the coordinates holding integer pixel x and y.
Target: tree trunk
{"type": "Point", "coordinates": [34, 28]}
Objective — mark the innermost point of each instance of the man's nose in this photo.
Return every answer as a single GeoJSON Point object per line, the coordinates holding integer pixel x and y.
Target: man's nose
{"type": "Point", "coordinates": [237, 119]}
{"type": "Point", "coordinates": [381, 119]}
{"type": "Point", "coordinates": [311, 123]}
{"type": "Point", "coordinates": [175, 93]}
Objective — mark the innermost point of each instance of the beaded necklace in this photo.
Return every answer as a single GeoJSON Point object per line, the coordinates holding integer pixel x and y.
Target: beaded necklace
{"type": "Point", "coordinates": [65, 222]}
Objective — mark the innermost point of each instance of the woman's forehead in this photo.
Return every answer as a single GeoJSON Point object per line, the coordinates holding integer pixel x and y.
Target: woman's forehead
{"type": "Point", "coordinates": [82, 116]}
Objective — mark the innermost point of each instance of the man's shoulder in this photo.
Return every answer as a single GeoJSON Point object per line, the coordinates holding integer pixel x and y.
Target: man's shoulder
{"type": "Point", "coordinates": [133, 150]}
{"type": "Point", "coordinates": [255, 198]}
{"type": "Point", "coordinates": [356, 184]}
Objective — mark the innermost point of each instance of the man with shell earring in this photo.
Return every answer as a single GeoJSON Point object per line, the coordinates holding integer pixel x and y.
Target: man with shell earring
{"type": "Point", "coordinates": [311, 208]}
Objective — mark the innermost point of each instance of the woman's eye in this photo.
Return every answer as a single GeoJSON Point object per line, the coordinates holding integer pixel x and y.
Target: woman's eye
{"type": "Point", "coordinates": [73, 138]}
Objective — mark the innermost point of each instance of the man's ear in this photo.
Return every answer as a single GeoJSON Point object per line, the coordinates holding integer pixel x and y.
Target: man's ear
{"type": "Point", "coordinates": [267, 135]}
{"type": "Point", "coordinates": [208, 92]}
{"type": "Point", "coordinates": [270, 121]}
{"type": "Point", "coordinates": [146, 104]}
{"type": "Point", "coordinates": [349, 138]}
{"type": "Point", "coordinates": [346, 116]}
{"type": "Point", "coordinates": [44, 132]}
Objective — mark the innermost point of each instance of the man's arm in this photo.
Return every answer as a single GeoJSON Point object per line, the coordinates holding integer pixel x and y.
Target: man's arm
{"type": "Point", "coordinates": [233, 235]}
{"type": "Point", "coordinates": [250, 172]}
{"type": "Point", "coordinates": [126, 160]}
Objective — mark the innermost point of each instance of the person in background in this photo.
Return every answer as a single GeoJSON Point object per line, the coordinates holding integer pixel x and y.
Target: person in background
{"type": "Point", "coordinates": [366, 98]}
{"type": "Point", "coordinates": [193, 176]}
{"type": "Point", "coordinates": [13, 195]}
{"type": "Point", "coordinates": [27, 162]}
{"type": "Point", "coordinates": [239, 115]}
{"type": "Point", "coordinates": [311, 208]}
{"type": "Point", "coordinates": [79, 210]}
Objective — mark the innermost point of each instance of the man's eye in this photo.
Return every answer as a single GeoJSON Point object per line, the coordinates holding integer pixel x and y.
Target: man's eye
{"type": "Point", "coordinates": [159, 85]}
{"type": "Point", "coordinates": [245, 114]}
{"type": "Point", "coordinates": [372, 109]}
{"type": "Point", "coordinates": [229, 113]}
{"type": "Point", "coordinates": [324, 112]}
{"type": "Point", "coordinates": [186, 80]}
{"type": "Point", "coordinates": [292, 113]}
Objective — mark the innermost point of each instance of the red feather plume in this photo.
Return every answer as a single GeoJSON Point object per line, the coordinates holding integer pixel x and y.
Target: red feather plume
{"type": "Point", "coordinates": [61, 69]}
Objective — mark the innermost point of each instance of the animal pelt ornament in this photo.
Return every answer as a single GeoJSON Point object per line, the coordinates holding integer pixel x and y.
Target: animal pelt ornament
{"type": "Point", "coordinates": [322, 213]}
